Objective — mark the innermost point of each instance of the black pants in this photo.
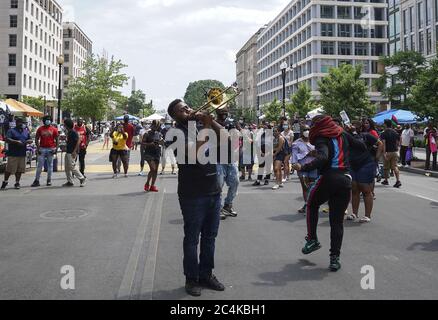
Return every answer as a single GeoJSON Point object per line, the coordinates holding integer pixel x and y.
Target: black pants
{"type": "Point", "coordinates": [261, 169]}
{"type": "Point", "coordinates": [403, 151]}
{"type": "Point", "coordinates": [434, 161]}
{"type": "Point", "coordinates": [82, 155]}
{"type": "Point", "coordinates": [334, 187]}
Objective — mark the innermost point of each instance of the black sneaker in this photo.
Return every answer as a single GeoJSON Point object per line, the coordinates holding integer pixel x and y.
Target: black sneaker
{"type": "Point", "coordinates": [303, 209]}
{"type": "Point", "coordinates": [68, 184]}
{"type": "Point", "coordinates": [335, 265]}
{"type": "Point", "coordinates": [49, 183]}
{"type": "Point", "coordinates": [223, 215]}
{"type": "Point", "coordinates": [311, 246]}
{"type": "Point", "coordinates": [398, 184]}
{"type": "Point", "coordinates": [35, 184]}
{"type": "Point", "coordinates": [17, 186]}
{"type": "Point", "coordinates": [256, 184]}
{"type": "Point", "coordinates": [193, 288]}
{"type": "Point", "coordinates": [4, 185]}
{"type": "Point", "coordinates": [242, 179]}
{"type": "Point", "coordinates": [250, 179]}
{"type": "Point", "coordinates": [212, 283]}
{"type": "Point", "coordinates": [229, 211]}
{"type": "Point", "coordinates": [385, 182]}
{"type": "Point", "coordinates": [266, 182]}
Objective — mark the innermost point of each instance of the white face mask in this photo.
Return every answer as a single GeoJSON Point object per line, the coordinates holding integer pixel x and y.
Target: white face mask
{"type": "Point", "coordinates": [306, 134]}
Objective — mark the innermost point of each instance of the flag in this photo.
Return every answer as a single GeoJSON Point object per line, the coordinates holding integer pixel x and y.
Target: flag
{"type": "Point", "coordinates": [394, 120]}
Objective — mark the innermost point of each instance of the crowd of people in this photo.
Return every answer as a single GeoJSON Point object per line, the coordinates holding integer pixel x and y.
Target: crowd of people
{"type": "Point", "coordinates": [337, 163]}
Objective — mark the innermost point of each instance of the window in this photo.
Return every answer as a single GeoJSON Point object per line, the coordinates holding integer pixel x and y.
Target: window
{"type": "Point", "coordinates": [344, 30]}
{"type": "Point", "coordinates": [14, 4]}
{"type": "Point", "coordinates": [327, 12]}
{"type": "Point", "coordinates": [327, 64]}
{"type": "Point", "coordinates": [412, 42]}
{"type": "Point", "coordinates": [405, 21]}
{"type": "Point", "coordinates": [12, 81]}
{"type": "Point", "coordinates": [361, 49]}
{"type": "Point", "coordinates": [24, 81]}
{"type": "Point", "coordinates": [30, 64]}
{"type": "Point", "coordinates": [420, 14]}
{"type": "Point", "coordinates": [13, 21]}
{"type": "Point", "coordinates": [344, 13]}
{"type": "Point", "coordinates": [376, 49]}
{"type": "Point", "coordinates": [429, 41]}
{"type": "Point", "coordinates": [344, 48]}
{"type": "Point", "coordinates": [66, 71]}
{"type": "Point", "coordinates": [327, 47]}
{"type": "Point", "coordinates": [12, 40]}
{"type": "Point", "coordinates": [359, 32]}
{"type": "Point", "coordinates": [66, 57]}
{"type": "Point", "coordinates": [327, 29]}
{"type": "Point", "coordinates": [12, 60]}
{"type": "Point", "coordinates": [411, 16]}
{"type": "Point", "coordinates": [428, 11]}
{"type": "Point", "coordinates": [31, 45]}
{"type": "Point", "coordinates": [359, 12]}
{"type": "Point", "coordinates": [25, 62]}
{"type": "Point", "coordinates": [421, 41]}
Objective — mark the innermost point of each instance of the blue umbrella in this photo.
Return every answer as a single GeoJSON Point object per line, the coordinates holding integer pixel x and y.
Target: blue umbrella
{"type": "Point", "coordinates": [403, 117]}
{"type": "Point", "coordinates": [131, 118]}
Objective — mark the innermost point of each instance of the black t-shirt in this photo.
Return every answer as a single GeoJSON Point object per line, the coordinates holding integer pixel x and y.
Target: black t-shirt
{"type": "Point", "coordinates": [72, 140]}
{"type": "Point", "coordinates": [149, 137]}
{"type": "Point", "coordinates": [360, 157]}
{"type": "Point", "coordinates": [196, 180]}
{"type": "Point", "coordinates": [390, 137]}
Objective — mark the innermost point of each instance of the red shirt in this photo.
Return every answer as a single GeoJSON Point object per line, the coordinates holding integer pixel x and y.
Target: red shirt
{"type": "Point", "coordinates": [129, 129]}
{"type": "Point", "coordinates": [47, 136]}
{"type": "Point", "coordinates": [82, 132]}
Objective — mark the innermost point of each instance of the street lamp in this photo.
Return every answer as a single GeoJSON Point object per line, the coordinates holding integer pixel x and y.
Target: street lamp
{"type": "Point", "coordinates": [60, 63]}
{"type": "Point", "coordinates": [284, 66]}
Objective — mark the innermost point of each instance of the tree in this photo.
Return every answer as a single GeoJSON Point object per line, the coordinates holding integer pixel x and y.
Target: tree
{"type": "Point", "coordinates": [248, 114]}
{"type": "Point", "coordinates": [342, 89]}
{"type": "Point", "coordinates": [301, 102]}
{"type": "Point", "coordinates": [136, 102]}
{"type": "Point", "coordinates": [37, 103]}
{"type": "Point", "coordinates": [425, 97]}
{"type": "Point", "coordinates": [401, 70]}
{"type": "Point", "coordinates": [196, 93]}
{"type": "Point", "coordinates": [273, 111]}
{"type": "Point", "coordinates": [88, 96]}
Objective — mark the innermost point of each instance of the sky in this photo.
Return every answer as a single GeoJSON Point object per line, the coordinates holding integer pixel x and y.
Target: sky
{"type": "Point", "coordinates": [169, 43]}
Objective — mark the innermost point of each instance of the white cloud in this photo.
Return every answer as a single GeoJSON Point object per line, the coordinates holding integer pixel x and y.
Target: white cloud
{"type": "Point", "coordinates": [169, 43]}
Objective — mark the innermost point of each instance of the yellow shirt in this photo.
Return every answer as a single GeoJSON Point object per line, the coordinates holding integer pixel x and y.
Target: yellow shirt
{"type": "Point", "coordinates": [119, 141]}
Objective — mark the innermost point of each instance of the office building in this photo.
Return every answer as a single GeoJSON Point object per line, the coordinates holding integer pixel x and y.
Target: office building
{"type": "Point", "coordinates": [30, 43]}
{"type": "Point", "coordinates": [314, 35]}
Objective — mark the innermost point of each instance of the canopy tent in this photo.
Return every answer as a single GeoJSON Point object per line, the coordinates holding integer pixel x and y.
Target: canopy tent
{"type": "Point", "coordinates": [403, 117]}
{"type": "Point", "coordinates": [153, 117]}
{"type": "Point", "coordinates": [131, 117]}
{"type": "Point", "coordinates": [5, 107]}
{"type": "Point", "coordinates": [24, 108]}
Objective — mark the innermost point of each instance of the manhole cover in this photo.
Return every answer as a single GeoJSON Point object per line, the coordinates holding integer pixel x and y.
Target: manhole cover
{"type": "Point", "coordinates": [65, 214]}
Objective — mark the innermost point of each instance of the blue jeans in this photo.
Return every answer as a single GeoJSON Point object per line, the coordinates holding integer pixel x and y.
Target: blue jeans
{"type": "Point", "coordinates": [46, 154]}
{"type": "Point", "coordinates": [201, 219]}
{"type": "Point", "coordinates": [229, 174]}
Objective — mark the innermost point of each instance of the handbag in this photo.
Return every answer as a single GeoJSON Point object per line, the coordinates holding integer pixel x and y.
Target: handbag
{"type": "Point", "coordinates": [409, 155]}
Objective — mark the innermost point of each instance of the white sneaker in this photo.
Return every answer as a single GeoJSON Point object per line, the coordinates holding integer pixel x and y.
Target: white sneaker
{"type": "Point", "coordinates": [114, 176]}
{"type": "Point", "coordinates": [141, 174]}
{"type": "Point", "coordinates": [284, 180]}
{"type": "Point", "coordinates": [281, 185]}
{"type": "Point", "coordinates": [276, 187]}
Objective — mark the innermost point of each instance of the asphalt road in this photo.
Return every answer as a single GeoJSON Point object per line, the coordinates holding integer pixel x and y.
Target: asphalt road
{"type": "Point", "coordinates": [125, 244]}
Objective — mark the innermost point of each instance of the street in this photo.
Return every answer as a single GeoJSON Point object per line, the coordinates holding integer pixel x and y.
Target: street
{"type": "Point", "coordinates": [125, 244]}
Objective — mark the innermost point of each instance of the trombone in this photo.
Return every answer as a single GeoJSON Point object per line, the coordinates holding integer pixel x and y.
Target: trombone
{"type": "Point", "coordinates": [217, 99]}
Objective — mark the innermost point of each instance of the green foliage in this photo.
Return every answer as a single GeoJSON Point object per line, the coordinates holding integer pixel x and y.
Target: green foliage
{"type": "Point", "coordinates": [301, 102]}
{"type": "Point", "coordinates": [88, 96]}
{"type": "Point", "coordinates": [196, 93]}
{"type": "Point", "coordinates": [425, 97]}
{"type": "Point", "coordinates": [148, 110]}
{"type": "Point", "coordinates": [37, 103]}
{"type": "Point", "coordinates": [136, 102]}
{"type": "Point", "coordinates": [273, 111]}
{"type": "Point", "coordinates": [408, 65]}
{"type": "Point", "coordinates": [248, 114]}
{"type": "Point", "coordinates": [342, 89]}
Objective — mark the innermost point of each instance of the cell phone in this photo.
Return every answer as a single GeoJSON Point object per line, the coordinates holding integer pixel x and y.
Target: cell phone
{"type": "Point", "coordinates": [345, 118]}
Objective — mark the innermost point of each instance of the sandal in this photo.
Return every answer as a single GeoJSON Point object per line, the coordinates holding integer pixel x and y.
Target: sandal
{"type": "Point", "coordinates": [352, 217]}
{"type": "Point", "coordinates": [365, 220]}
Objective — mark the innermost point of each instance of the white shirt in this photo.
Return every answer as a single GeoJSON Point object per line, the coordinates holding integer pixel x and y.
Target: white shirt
{"type": "Point", "coordinates": [406, 137]}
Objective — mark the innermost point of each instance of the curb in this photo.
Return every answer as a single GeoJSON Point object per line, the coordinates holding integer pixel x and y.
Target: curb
{"type": "Point", "coordinates": [422, 172]}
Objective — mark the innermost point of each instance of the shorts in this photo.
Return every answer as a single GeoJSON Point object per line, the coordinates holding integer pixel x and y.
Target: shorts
{"type": "Point", "coordinates": [16, 165]}
{"type": "Point", "coordinates": [391, 163]}
{"type": "Point", "coordinates": [311, 175]}
{"type": "Point", "coordinates": [121, 153]}
{"type": "Point", "coordinates": [149, 157]}
{"type": "Point", "coordinates": [365, 174]}
{"type": "Point", "coordinates": [280, 157]}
